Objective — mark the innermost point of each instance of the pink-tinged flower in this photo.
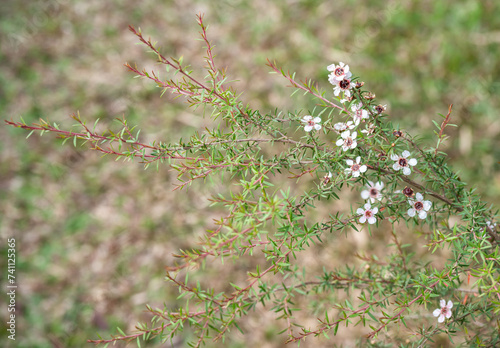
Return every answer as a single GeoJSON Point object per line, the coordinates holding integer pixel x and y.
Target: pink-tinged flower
{"type": "Point", "coordinates": [419, 206]}
{"type": "Point", "coordinates": [356, 168]}
{"type": "Point", "coordinates": [343, 85]}
{"type": "Point", "coordinates": [368, 214]}
{"type": "Point", "coordinates": [341, 126]}
{"type": "Point", "coordinates": [348, 140]}
{"type": "Point", "coordinates": [311, 123]}
{"type": "Point", "coordinates": [358, 113]}
{"type": "Point", "coordinates": [339, 72]}
{"type": "Point", "coordinates": [444, 311]}
{"type": "Point", "coordinates": [402, 162]}
{"type": "Point", "coordinates": [373, 193]}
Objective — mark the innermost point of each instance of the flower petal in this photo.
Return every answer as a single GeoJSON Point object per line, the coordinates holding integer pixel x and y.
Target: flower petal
{"type": "Point", "coordinates": [372, 220]}
{"type": "Point", "coordinates": [396, 166]}
{"type": "Point", "coordinates": [375, 210]}
{"type": "Point", "coordinates": [427, 205]}
{"type": "Point", "coordinates": [360, 211]}
{"type": "Point", "coordinates": [362, 219]}
{"type": "Point", "coordinates": [365, 194]}
{"type": "Point", "coordinates": [419, 197]}
{"type": "Point", "coordinates": [442, 303]}
{"type": "Point", "coordinates": [436, 312]}
{"type": "Point", "coordinates": [422, 215]}
{"type": "Point", "coordinates": [450, 305]}
{"type": "Point", "coordinates": [394, 157]}
{"type": "Point", "coordinates": [405, 154]}
{"type": "Point", "coordinates": [412, 162]}
{"type": "Point", "coordinates": [441, 318]}
{"type": "Point", "coordinates": [363, 168]}
{"type": "Point", "coordinates": [308, 128]}
{"type": "Point", "coordinates": [411, 212]}
{"type": "Point", "coordinates": [406, 171]}
{"type": "Point", "coordinates": [349, 162]}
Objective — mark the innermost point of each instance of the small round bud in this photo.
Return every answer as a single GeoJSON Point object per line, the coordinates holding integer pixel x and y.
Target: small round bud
{"type": "Point", "coordinates": [397, 133]}
{"type": "Point", "coordinates": [380, 108]}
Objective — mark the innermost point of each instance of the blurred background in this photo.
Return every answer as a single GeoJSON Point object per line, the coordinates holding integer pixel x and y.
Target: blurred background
{"type": "Point", "coordinates": [93, 234]}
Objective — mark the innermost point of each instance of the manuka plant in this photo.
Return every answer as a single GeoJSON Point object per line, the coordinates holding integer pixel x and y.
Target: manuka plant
{"type": "Point", "coordinates": [347, 142]}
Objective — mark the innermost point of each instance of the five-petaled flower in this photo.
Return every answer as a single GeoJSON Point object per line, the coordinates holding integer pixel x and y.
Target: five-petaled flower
{"type": "Point", "coordinates": [444, 311]}
{"type": "Point", "coordinates": [355, 167]}
{"type": "Point", "coordinates": [373, 192]}
{"type": "Point", "coordinates": [348, 140]}
{"type": "Point", "coordinates": [343, 85]}
{"type": "Point", "coordinates": [339, 72]}
{"type": "Point", "coordinates": [341, 126]}
{"type": "Point", "coordinates": [419, 206]}
{"type": "Point", "coordinates": [358, 113]}
{"type": "Point", "coordinates": [402, 162]}
{"type": "Point", "coordinates": [311, 123]}
{"type": "Point", "coordinates": [368, 214]}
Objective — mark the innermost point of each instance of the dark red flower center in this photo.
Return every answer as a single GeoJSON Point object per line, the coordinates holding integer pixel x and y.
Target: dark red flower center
{"type": "Point", "coordinates": [403, 162]}
{"type": "Point", "coordinates": [348, 142]}
{"type": "Point", "coordinates": [355, 167]}
{"type": "Point", "coordinates": [345, 83]}
{"type": "Point", "coordinates": [419, 205]}
{"type": "Point", "coordinates": [373, 192]}
{"type": "Point", "coordinates": [368, 213]}
{"type": "Point", "coordinates": [408, 192]}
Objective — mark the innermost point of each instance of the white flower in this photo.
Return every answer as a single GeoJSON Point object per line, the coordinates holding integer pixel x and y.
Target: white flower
{"type": "Point", "coordinates": [370, 128]}
{"type": "Point", "coordinates": [348, 140]}
{"type": "Point", "coordinates": [444, 311]}
{"type": "Point", "coordinates": [373, 192]}
{"type": "Point", "coordinates": [359, 113]}
{"type": "Point", "coordinates": [343, 85]}
{"type": "Point", "coordinates": [368, 214]}
{"type": "Point", "coordinates": [311, 123]}
{"type": "Point", "coordinates": [491, 225]}
{"type": "Point", "coordinates": [341, 126]}
{"type": "Point", "coordinates": [420, 206]}
{"type": "Point", "coordinates": [403, 162]}
{"type": "Point", "coordinates": [356, 168]}
{"type": "Point", "coordinates": [339, 72]}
